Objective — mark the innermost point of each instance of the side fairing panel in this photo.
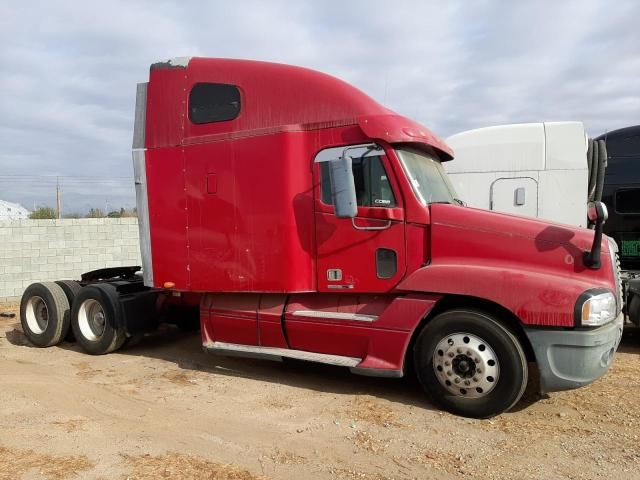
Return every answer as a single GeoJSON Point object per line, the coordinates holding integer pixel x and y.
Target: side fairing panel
{"type": "Point", "coordinates": [142, 204]}
{"type": "Point", "coordinates": [231, 318]}
{"type": "Point", "coordinates": [244, 319]}
{"type": "Point", "coordinates": [140, 176]}
{"type": "Point", "coordinates": [379, 334]}
{"type": "Point", "coordinates": [250, 215]}
{"type": "Point", "coordinates": [166, 97]}
{"type": "Point", "coordinates": [167, 219]}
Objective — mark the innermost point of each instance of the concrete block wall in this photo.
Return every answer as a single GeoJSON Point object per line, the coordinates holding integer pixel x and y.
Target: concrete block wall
{"type": "Point", "coordinates": [46, 250]}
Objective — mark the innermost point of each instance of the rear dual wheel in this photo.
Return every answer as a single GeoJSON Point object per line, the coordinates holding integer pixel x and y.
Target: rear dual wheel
{"type": "Point", "coordinates": [70, 289]}
{"type": "Point", "coordinates": [470, 363]}
{"type": "Point", "coordinates": [96, 319]}
{"type": "Point", "coordinates": [44, 314]}
{"type": "Point", "coordinates": [53, 311]}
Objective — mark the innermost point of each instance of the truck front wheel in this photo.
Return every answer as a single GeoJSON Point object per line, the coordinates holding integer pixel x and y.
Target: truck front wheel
{"type": "Point", "coordinates": [470, 364]}
{"type": "Point", "coordinates": [96, 319]}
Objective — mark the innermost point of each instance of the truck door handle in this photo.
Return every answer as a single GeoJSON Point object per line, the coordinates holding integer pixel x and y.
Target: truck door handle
{"type": "Point", "coordinates": [383, 227]}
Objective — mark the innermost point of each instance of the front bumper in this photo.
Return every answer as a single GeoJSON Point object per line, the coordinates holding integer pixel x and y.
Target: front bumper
{"type": "Point", "coordinates": [572, 358]}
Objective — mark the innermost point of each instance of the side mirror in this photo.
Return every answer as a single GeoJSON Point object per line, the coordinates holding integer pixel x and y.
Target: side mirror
{"type": "Point", "coordinates": [343, 188]}
{"type": "Point", "coordinates": [597, 214]}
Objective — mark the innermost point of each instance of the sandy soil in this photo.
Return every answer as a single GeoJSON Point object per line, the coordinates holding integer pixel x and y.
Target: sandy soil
{"type": "Point", "coordinates": [165, 410]}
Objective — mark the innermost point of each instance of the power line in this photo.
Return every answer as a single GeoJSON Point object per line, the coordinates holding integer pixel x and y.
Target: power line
{"type": "Point", "coordinates": [118, 189]}
{"type": "Point", "coordinates": [35, 179]}
{"type": "Point", "coordinates": [69, 182]}
{"type": "Point", "coordinates": [59, 176]}
{"type": "Point", "coordinates": [48, 180]}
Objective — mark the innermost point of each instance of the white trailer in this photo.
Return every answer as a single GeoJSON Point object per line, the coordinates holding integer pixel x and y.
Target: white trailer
{"type": "Point", "coordinates": [533, 169]}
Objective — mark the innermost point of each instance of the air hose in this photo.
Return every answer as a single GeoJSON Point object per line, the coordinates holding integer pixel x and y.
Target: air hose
{"type": "Point", "coordinates": [591, 177]}
{"type": "Point", "coordinates": [597, 164]}
{"type": "Point", "coordinates": [602, 165]}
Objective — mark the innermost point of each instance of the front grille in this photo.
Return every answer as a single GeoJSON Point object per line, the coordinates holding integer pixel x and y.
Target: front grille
{"type": "Point", "coordinates": [615, 264]}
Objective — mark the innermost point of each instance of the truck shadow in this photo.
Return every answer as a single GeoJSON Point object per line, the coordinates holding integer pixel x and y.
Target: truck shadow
{"type": "Point", "coordinates": [554, 237]}
{"type": "Point", "coordinates": [185, 351]}
{"type": "Point", "coordinates": [630, 340]}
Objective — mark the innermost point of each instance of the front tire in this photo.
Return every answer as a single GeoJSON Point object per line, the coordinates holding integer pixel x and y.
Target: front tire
{"type": "Point", "coordinates": [96, 319]}
{"type": "Point", "coordinates": [44, 314]}
{"type": "Point", "coordinates": [470, 364]}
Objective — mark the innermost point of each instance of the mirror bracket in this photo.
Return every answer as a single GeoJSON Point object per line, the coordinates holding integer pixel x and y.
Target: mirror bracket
{"type": "Point", "coordinates": [597, 213]}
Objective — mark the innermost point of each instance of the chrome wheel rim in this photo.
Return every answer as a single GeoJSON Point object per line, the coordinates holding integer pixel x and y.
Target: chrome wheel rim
{"type": "Point", "coordinates": [37, 315]}
{"type": "Point", "coordinates": [91, 320]}
{"type": "Point", "coordinates": [466, 365]}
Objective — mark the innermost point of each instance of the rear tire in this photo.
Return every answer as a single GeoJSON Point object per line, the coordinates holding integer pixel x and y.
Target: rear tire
{"type": "Point", "coordinates": [96, 319]}
{"type": "Point", "coordinates": [70, 289]}
{"type": "Point", "coordinates": [44, 314]}
{"type": "Point", "coordinates": [470, 364]}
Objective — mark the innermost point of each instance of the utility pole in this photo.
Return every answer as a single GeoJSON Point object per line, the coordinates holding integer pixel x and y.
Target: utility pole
{"type": "Point", "coordinates": [58, 198]}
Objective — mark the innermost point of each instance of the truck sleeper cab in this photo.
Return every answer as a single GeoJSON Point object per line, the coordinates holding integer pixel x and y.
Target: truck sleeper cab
{"type": "Point", "coordinates": [297, 217]}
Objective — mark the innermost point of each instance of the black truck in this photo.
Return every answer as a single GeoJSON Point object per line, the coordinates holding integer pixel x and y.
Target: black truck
{"type": "Point", "coordinates": [621, 194]}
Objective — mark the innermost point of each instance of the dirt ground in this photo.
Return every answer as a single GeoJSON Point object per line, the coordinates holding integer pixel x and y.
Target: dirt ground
{"type": "Point", "coordinates": [165, 410]}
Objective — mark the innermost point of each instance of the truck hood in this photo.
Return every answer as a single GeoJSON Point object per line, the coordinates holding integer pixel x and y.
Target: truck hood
{"type": "Point", "coordinates": [530, 267]}
{"type": "Point", "coordinates": [512, 228]}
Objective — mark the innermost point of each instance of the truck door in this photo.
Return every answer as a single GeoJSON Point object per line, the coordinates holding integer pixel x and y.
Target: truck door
{"type": "Point", "coordinates": [515, 195]}
{"type": "Point", "coordinates": [367, 253]}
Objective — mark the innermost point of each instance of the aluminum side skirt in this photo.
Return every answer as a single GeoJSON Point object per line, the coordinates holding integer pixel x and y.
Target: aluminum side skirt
{"type": "Point", "coordinates": [277, 354]}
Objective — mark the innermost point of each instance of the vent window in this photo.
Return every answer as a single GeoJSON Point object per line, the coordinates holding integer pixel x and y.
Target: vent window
{"type": "Point", "coordinates": [213, 102]}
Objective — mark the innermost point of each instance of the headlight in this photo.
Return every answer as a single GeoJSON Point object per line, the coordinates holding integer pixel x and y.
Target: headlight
{"type": "Point", "coordinates": [595, 307]}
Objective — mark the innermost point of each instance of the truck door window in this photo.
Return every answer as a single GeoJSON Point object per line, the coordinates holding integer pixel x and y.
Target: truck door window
{"type": "Point", "coordinates": [213, 102]}
{"type": "Point", "coordinates": [372, 184]}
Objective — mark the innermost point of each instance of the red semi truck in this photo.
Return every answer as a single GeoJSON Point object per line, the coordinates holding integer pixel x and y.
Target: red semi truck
{"type": "Point", "coordinates": [298, 218]}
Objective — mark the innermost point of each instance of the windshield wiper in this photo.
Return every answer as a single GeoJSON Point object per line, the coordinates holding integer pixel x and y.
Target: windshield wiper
{"type": "Point", "coordinates": [456, 201]}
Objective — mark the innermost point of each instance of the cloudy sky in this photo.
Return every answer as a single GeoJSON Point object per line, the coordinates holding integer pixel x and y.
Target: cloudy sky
{"type": "Point", "coordinates": [69, 70]}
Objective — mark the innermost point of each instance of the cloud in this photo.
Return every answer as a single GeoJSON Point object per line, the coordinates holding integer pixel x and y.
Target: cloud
{"type": "Point", "coordinates": [69, 70]}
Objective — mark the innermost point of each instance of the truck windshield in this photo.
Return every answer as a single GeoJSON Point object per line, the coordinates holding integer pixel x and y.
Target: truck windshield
{"type": "Point", "coordinates": [427, 176]}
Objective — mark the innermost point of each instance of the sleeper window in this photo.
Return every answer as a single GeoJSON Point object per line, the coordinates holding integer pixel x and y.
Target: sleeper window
{"type": "Point", "coordinates": [213, 102]}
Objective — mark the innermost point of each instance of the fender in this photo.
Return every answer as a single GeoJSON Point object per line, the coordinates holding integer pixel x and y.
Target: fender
{"type": "Point", "coordinates": [536, 298]}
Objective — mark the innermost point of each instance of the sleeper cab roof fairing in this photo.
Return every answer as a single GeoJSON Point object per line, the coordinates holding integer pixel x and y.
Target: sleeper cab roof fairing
{"type": "Point", "coordinates": [398, 129]}
{"type": "Point", "coordinates": [297, 97]}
